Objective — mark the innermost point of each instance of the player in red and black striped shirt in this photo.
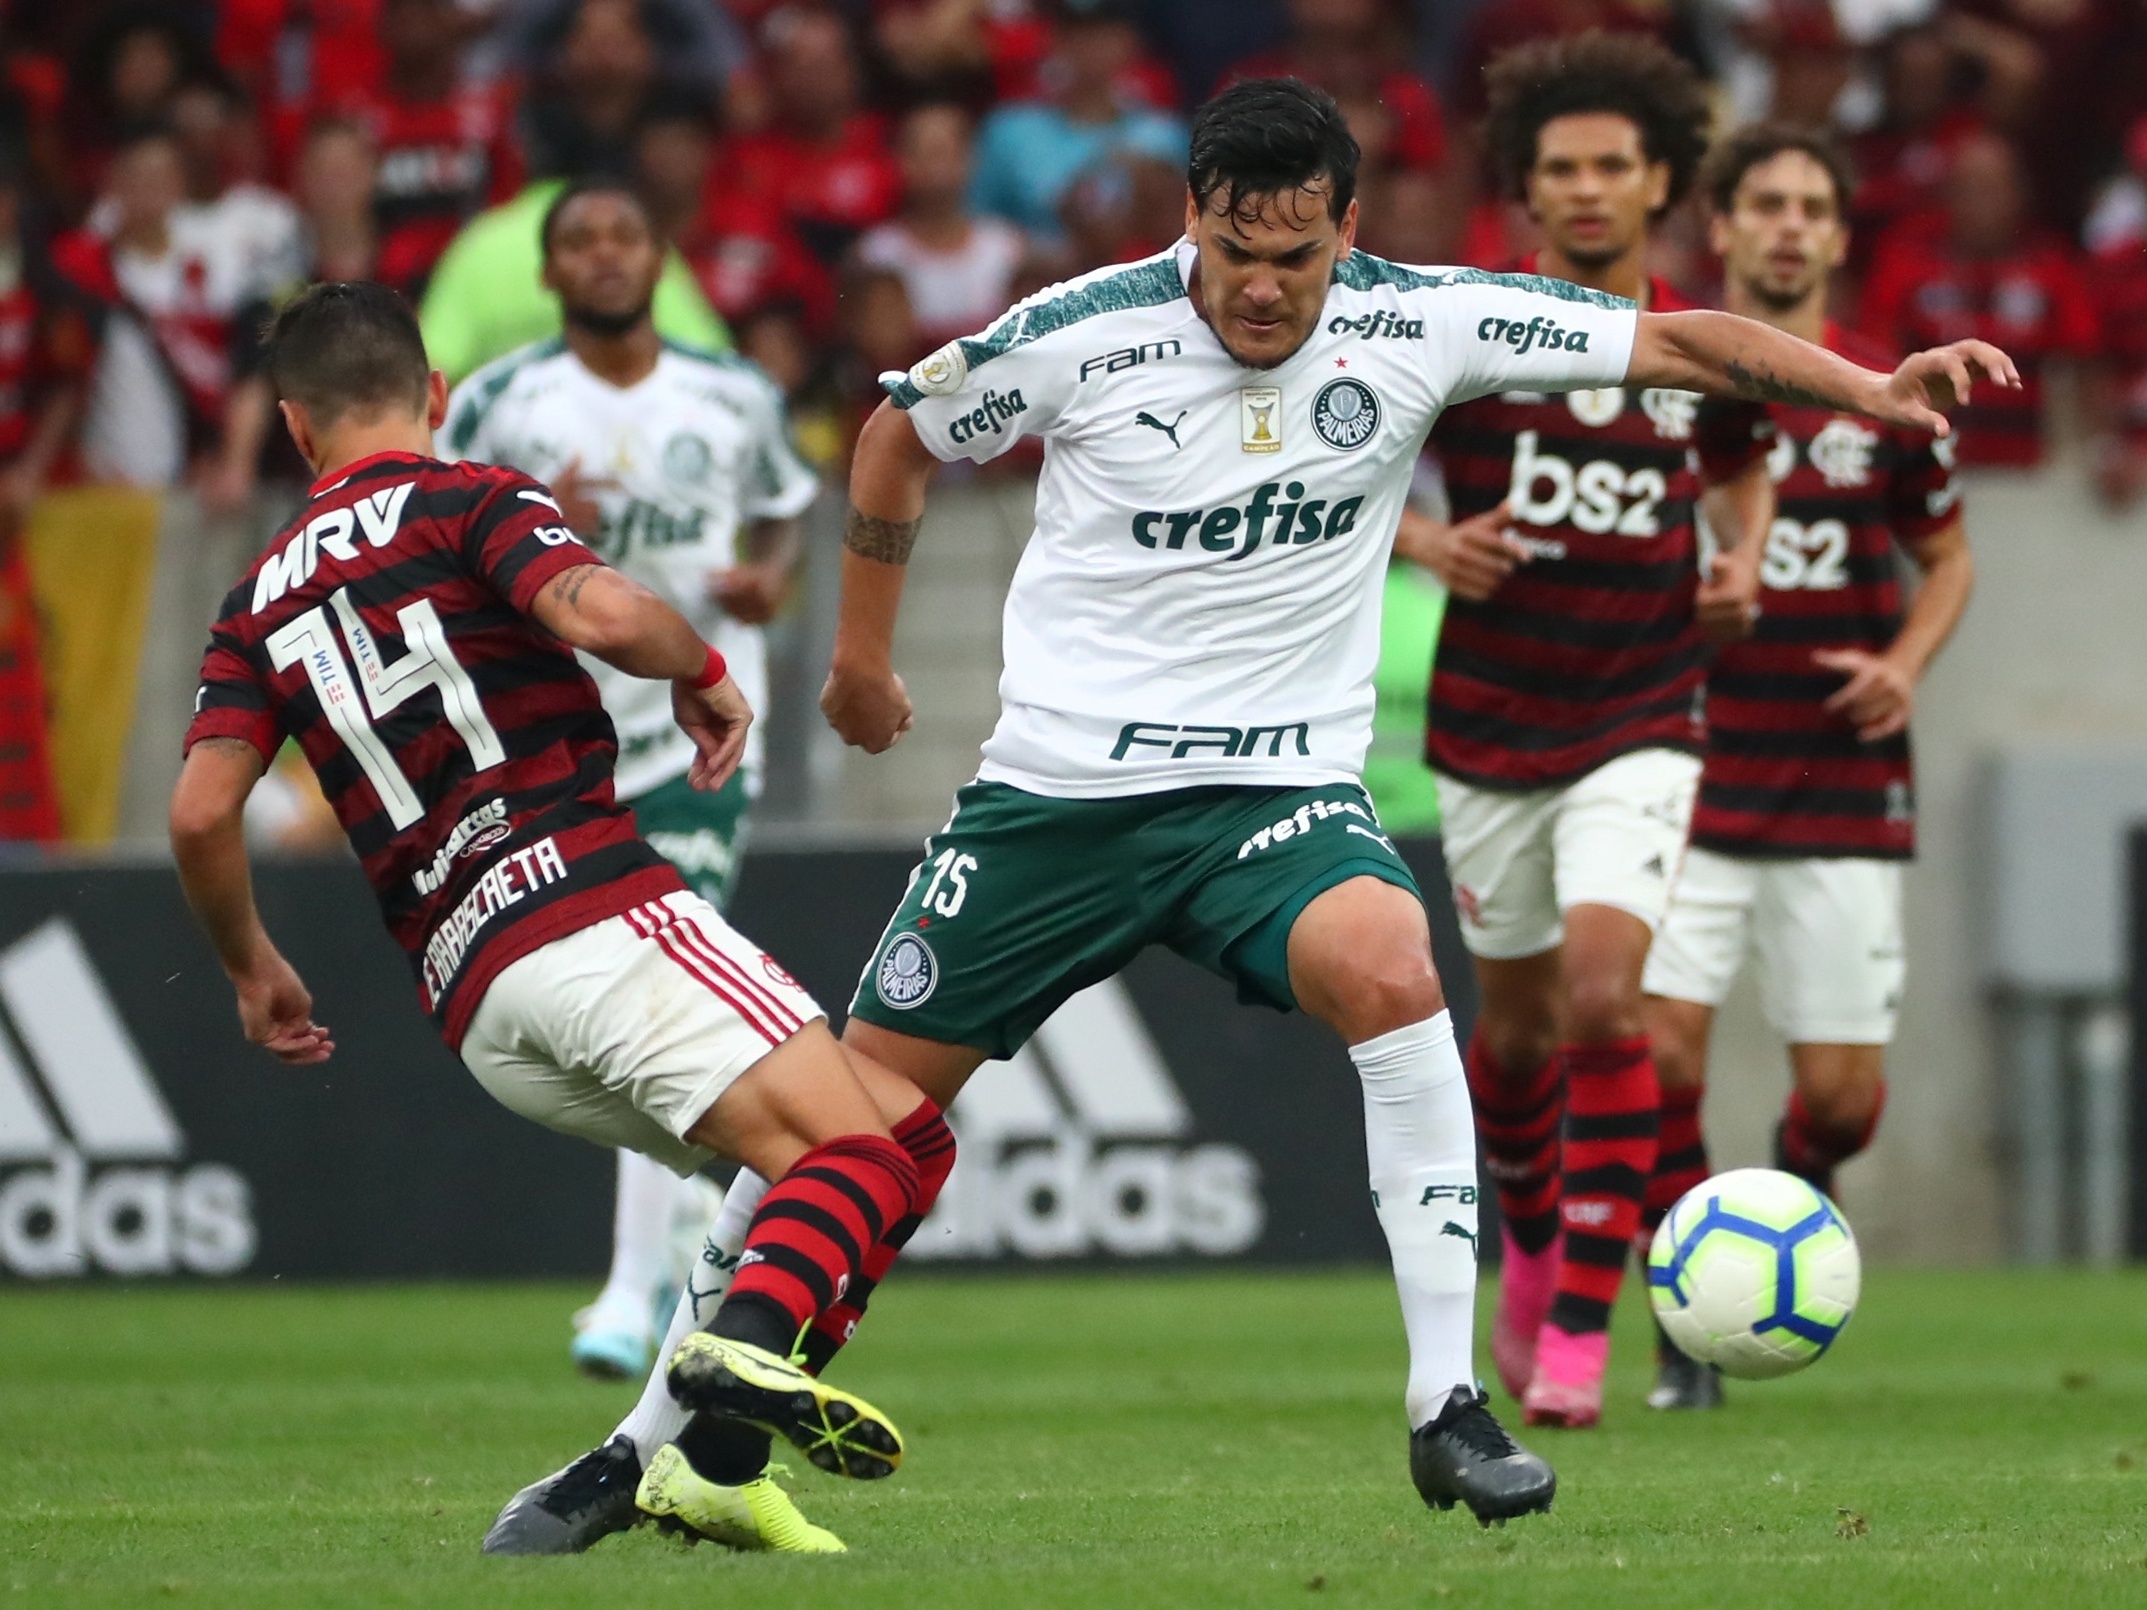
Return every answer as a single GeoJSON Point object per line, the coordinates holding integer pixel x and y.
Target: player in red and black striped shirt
{"type": "Point", "coordinates": [1806, 807]}
{"type": "Point", "coordinates": [1565, 719]}
{"type": "Point", "coordinates": [414, 630]}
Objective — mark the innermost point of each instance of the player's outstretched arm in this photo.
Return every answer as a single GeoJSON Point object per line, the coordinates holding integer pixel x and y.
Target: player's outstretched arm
{"type": "Point", "coordinates": [864, 700]}
{"type": "Point", "coordinates": [595, 609]}
{"type": "Point", "coordinates": [1725, 355]}
{"type": "Point", "coordinates": [208, 840]}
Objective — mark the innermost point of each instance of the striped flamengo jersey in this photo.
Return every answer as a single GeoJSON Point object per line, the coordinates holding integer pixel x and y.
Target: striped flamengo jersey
{"type": "Point", "coordinates": [1591, 649]}
{"type": "Point", "coordinates": [1783, 777]}
{"type": "Point", "coordinates": [465, 751]}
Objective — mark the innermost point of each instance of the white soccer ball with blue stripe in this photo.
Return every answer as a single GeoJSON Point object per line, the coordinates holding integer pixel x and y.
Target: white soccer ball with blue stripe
{"type": "Point", "coordinates": [1754, 1272]}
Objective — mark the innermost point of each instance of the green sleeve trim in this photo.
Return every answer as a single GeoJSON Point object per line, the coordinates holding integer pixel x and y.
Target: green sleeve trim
{"type": "Point", "coordinates": [1147, 284]}
{"type": "Point", "coordinates": [1361, 271]}
{"type": "Point", "coordinates": [489, 384]}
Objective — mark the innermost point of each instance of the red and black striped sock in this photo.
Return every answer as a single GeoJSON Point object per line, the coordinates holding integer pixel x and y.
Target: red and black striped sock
{"type": "Point", "coordinates": [1518, 1121]}
{"type": "Point", "coordinates": [807, 1243]}
{"type": "Point", "coordinates": [930, 1143]}
{"type": "Point", "coordinates": [1680, 1161]}
{"type": "Point", "coordinates": [1812, 1151]}
{"type": "Point", "coordinates": [1613, 1120]}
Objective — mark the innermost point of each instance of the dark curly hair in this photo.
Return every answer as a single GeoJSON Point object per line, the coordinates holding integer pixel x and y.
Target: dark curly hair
{"type": "Point", "coordinates": [1755, 143]}
{"type": "Point", "coordinates": [1625, 74]}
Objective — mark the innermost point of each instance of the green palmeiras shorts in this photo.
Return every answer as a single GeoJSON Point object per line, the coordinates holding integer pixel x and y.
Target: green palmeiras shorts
{"type": "Point", "coordinates": [1022, 900]}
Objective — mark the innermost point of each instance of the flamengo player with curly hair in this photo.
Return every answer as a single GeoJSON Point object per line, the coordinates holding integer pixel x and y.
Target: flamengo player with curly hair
{"type": "Point", "coordinates": [1565, 721]}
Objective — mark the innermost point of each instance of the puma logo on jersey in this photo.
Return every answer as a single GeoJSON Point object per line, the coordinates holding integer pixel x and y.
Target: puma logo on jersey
{"type": "Point", "coordinates": [989, 415]}
{"type": "Point", "coordinates": [1451, 1228]}
{"type": "Point", "coordinates": [1153, 423]}
{"type": "Point", "coordinates": [1291, 523]}
{"type": "Point", "coordinates": [376, 518]}
{"type": "Point", "coordinates": [1537, 332]}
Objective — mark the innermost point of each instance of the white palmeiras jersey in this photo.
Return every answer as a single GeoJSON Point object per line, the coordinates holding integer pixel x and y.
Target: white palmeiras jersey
{"type": "Point", "coordinates": [683, 462]}
{"type": "Point", "coordinates": [1200, 603]}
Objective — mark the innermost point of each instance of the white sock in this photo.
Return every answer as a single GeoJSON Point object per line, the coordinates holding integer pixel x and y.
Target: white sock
{"type": "Point", "coordinates": [1420, 1139]}
{"type": "Point", "coordinates": [657, 1419]}
{"type": "Point", "coordinates": [640, 1246]}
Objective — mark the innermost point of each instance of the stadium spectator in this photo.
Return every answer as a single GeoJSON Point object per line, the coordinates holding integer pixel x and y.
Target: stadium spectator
{"type": "Point", "coordinates": [124, 76]}
{"type": "Point", "coordinates": [167, 287]}
{"type": "Point", "coordinates": [1502, 24]}
{"type": "Point", "coordinates": [1353, 49]}
{"type": "Point", "coordinates": [591, 91]}
{"type": "Point", "coordinates": [957, 269]}
{"type": "Point", "coordinates": [823, 158]}
{"type": "Point", "coordinates": [43, 346]}
{"type": "Point", "coordinates": [2117, 272]}
{"type": "Point", "coordinates": [743, 253]}
{"type": "Point", "coordinates": [940, 48]}
{"type": "Point", "coordinates": [1901, 164]}
{"type": "Point", "coordinates": [219, 144]}
{"type": "Point", "coordinates": [1987, 270]}
{"type": "Point", "coordinates": [335, 184]}
{"type": "Point", "coordinates": [46, 349]}
{"type": "Point", "coordinates": [1030, 154]}
{"type": "Point", "coordinates": [443, 144]}
{"type": "Point", "coordinates": [289, 52]}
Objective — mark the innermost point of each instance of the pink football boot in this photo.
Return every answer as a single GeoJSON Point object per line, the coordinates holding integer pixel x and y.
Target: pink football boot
{"type": "Point", "coordinates": [1568, 1385]}
{"type": "Point", "coordinates": [1526, 1283]}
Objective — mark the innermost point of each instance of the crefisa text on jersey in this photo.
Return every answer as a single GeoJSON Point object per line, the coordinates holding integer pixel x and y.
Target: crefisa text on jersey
{"type": "Point", "coordinates": [1537, 332]}
{"type": "Point", "coordinates": [1379, 322]}
{"type": "Point", "coordinates": [1292, 523]}
{"type": "Point", "coordinates": [989, 415]}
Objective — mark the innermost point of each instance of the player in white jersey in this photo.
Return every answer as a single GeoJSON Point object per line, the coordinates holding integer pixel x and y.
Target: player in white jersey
{"type": "Point", "coordinates": [1228, 432]}
{"type": "Point", "coordinates": [677, 467]}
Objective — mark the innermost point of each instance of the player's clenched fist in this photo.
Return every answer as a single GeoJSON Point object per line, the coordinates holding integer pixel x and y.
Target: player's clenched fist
{"type": "Point", "coordinates": [870, 709]}
{"type": "Point", "coordinates": [1472, 557]}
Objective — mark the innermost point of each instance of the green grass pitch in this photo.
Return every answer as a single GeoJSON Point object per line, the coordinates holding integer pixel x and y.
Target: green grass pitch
{"type": "Point", "coordinates": [1130, 1440]}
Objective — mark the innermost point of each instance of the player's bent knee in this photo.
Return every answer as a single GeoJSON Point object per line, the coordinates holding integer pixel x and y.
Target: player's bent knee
{"type": "Point", "coordinates": [1602, 1006]}
{"type": "Point", "coordinates": [802, 1094]}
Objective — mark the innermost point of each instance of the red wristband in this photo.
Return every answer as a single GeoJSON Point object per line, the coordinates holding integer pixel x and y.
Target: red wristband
{"type": "Point", "coordinates": [713, 672]}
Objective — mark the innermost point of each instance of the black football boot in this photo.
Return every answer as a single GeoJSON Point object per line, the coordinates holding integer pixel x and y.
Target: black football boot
{"type": "Point", "coordinates": [1463, 1455]}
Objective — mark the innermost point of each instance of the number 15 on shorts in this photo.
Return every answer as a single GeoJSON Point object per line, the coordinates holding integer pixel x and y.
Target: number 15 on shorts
{"type": "Point", "coordinates": [950, 885]}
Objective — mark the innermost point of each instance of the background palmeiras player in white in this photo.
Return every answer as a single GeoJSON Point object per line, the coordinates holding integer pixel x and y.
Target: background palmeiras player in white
{"type": "Point", "coordinates": [677, 467]}
{"type": "Point", "coordinates": [1229, 429]}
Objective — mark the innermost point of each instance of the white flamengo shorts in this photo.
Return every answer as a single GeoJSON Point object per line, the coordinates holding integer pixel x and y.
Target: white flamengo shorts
{"type": "Point", "coordinates": [1519, 861]}
{"type": "Point", "coordinates": [1827, 931]}
{"type": "Point", "coordinates": [625, 1032]}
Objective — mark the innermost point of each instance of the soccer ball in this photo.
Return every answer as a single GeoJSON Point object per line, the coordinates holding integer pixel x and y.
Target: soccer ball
{"type": "Point", "coordinates": [1754, 1272]}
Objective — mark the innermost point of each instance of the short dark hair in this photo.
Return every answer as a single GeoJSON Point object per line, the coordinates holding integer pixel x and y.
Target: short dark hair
{"type": "Point", "coordinates": [1624, 74]}
{"type": "Point", "coordinates": [1262, 136]}
{"type": "Point", "coordinates": [345, 346]}
{"type": "Point", "coordinates": [595, 184]}
{"type": "Point", "coordinates": [1756, 143]}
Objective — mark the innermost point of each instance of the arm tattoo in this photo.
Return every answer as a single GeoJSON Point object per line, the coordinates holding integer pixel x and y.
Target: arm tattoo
{"type": "Point", "coordinates": [870, 537]}
{"type": "Point", "coordinates": [1762, 384]}
{"type": "Point", "coordinates": [565, 588]}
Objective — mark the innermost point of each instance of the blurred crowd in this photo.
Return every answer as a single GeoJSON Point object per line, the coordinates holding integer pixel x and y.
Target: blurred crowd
{"type": "Point", "coordinates": [847, 185]}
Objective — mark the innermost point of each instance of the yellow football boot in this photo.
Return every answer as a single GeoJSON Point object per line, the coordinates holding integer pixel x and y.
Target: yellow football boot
{"type": "Point", "coordinates": [758, 1515]}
